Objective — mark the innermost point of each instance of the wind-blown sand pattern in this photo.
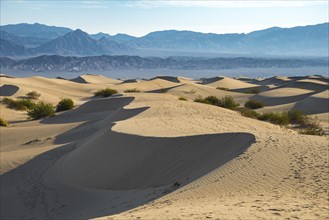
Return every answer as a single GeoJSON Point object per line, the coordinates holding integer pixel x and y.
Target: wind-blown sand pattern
{"type": "Point", "coordinates": [149, 155]}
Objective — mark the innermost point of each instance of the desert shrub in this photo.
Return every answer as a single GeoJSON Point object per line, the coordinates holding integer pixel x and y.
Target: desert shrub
{"type": "Point", "coordinates": [182, 98]}
{"type": "Point", "coordinates": [33, 95]}
{"type": "Point", "coordinates": [298, 117]}
{"type": "Point", "coordinates": [211, 100]}
{"type": "Point", "coordinates": [41, 110]}
{"type": "Point", "coordinates": [106, 92]}
{"type": "Point", "coordinates": [279, 118]}
{"type": "Point", "coordinates": [6, 100]}
{"type": "Point", "coordinates": [253, 104]}
{"type": "Point", "coordinates": [3, 122]}
{"type": "Point", "coordinates": [19, 104]}
{"type": "Point", "coordinates": [228, 102]}
{"type": "Point", "coordinates": [192, 91]}
{"type": "Point", "coordinates": [225, 102]}
{"type": "Point", "coordinates": [248, 113]}
{"type": "Point", "coordinates": [312, 126]}
{"type": "Point", "coordinates": [65, 104]}
{"type": "Point", "coordinates": [223, 88]}
{"type": "Point", "coordinates": [253, 91]}
{"type": "Point", "coordinates": [132, 90]}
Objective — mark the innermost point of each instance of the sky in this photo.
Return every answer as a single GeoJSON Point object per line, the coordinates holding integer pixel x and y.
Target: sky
{"type": "Point", "coordinates": [140, 17]}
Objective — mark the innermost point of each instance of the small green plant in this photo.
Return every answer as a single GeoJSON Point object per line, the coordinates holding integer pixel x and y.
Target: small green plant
{"type": "Point", "coordinates": [106, 92]}
{"type": "Point", "coordinates": [279, 118]}
{"type": "Point", "coordinates": [225, 102]}
{"type": "Point", "coordinates": [65, 104]}
{"type": "Point", "coordinates": [132, 90]}
{"type": "Point", "coordinates": [4, 123]}
{"type": "Point", "coordinates": [253, 104]}
{"type": "Point", "coordinates": [249, 113]}
{"type": "Point", "coordinates": [41, 110]}
{"type": "Point", "coordinates": [312, 126]}
{"type": "Point", "coordinates": [182, 98]}
{"type": "Point", "coordinates": [223, 88]}
{"type": "Point", "coordinates": [253, 91]}
{"type": "Point", "coordinates": [298, 117]}
{"type": "Point", "coordinates": [33, 95]}
{"type": "Point", "coordinates": [228, 102]}
{"type": "Point", "coordinates": [19, 104]}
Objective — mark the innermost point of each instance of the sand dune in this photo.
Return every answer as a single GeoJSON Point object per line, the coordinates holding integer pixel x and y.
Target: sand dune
{"type": "Point", "coordinates": [226, 82]}
{"type": "Point", "coordinates": [168, 78]}
{"type": "Point", "coordinates": [97, 79]}
{"type": "Point", "coordinates": [149, 155]}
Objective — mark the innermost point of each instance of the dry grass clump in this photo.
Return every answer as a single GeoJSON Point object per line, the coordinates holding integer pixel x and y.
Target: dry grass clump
{"type": "Point", "coordinates": [106, 92]}
{"type": "Point", "coordinates": [225, 102]}
{"type": "Point", "coordinates": [223, 88]}
{"type": "Point", "coordinates": [253, 91]}
{"type": "Point", "coordinates": [132, 90]}
{"type": "Point", "coordinates": [4, 123]}
{"type": "Point", "coordinates": [279, 118]}
{"type": "Point", "coordinates": [303, 123]}
{"type": "Point", "coordinates": [64, 105]}
{"type": "Point", "coordinates": [33, 95]}
{"type": "Point", "coordinates": [253, 104]}
{"type": "Point", "coordinates": [41, 110]}
{"type": "Point", "coordinates": [18, 104]}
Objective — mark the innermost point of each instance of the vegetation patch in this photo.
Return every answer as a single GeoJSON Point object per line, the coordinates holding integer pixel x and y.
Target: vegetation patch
{"type": "Point", "coordinates": [279, 118]}
{"type": "Point", "coordinates": [33, 95]}
{"type": "Point", "coordinates": [304, 123]}
{"type": "Point", "coordinates": [182, 98]}
{"type": "Point", "coordinates": [253, 104]}
{"type": "Point", "coordinates": [19, 104]}
{"type": "Point", "coordinates": [253, 91]}
{"type": "Point", "coordinates": [223, 88]}
{"type": "Point", "coordinates": [225, 102]}
{"type": "Point", "coordinates": [248, 113]}
{"type": "Point", "coordinates": [4, 123]}
{"type": "Point", "coordinates": [106, 92]}
{"type": "Point", "coordinates": [41, 110]}
{"type": "Point", "coordinates": [64, 105]}
{"type": "Point", "coordinates": [132, 90]}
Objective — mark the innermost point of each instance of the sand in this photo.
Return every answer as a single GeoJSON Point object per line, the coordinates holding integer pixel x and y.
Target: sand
{"type": "Point", "coordinates": [149, 155]}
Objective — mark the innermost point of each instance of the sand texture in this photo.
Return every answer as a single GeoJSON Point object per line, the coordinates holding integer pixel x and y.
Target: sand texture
{"type": "Point", "coordinates": [149, 155]}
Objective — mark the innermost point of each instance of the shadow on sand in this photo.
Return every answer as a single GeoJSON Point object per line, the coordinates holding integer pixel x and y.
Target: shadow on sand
{"type": "Point", "coordinates": [99, 172]}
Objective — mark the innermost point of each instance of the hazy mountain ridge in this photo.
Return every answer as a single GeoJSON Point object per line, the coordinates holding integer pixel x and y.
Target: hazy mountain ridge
{"type": "Point", "coordinates": [106, 63]}
{"type": "Point", "coordinates": [309, 40]}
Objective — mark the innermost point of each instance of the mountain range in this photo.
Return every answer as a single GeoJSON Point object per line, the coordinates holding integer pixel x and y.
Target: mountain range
{"type": "Point", "coordinates": [48, 63]}
{"type": "Point", "coordinates": [28, 40]}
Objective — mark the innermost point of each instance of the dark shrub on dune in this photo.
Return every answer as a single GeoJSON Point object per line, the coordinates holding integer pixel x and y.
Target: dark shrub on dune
{"type": "Point", "coordinates": [253, 91]}
{"type": "Point", "coordinates": [249, 113]}
{"type": "Point", "coordinates": [3, 122]}
{"type": "Point", "coordinates": [65, 104]}
{"type": "Point", "coordinates": [106, 92]}
{"type": "Point", "coordinates": [132, 90]}
{"type": "Point", "coordinates": [33, 95]}
{"type": "Point", "coordinates": [279, 118]}
{"type": "Point", "coordinates": [41, 110]}
{"type": "Point", "coordinates": [225, 102]}
{"type": "Point", "coordinates": [19, 104]}
{"type": "Point", "coordinates": [253, 104]}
